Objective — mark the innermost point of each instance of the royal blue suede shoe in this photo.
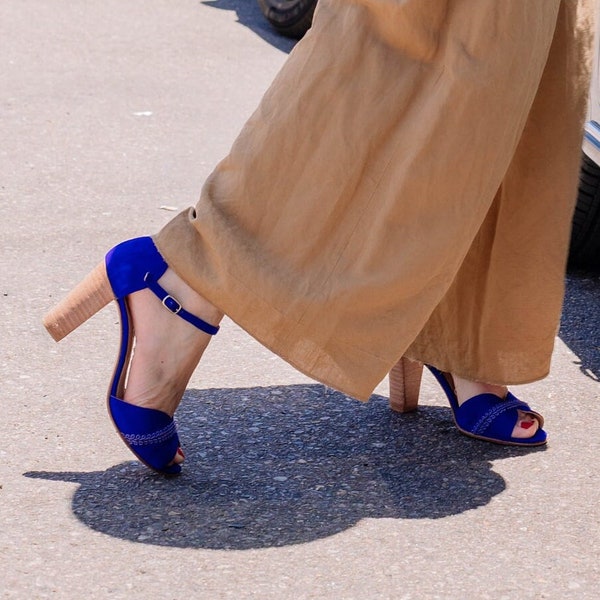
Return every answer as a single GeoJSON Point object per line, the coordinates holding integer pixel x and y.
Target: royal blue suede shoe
{"type": "Point", "coordinates": [485, 416]}
{"type": "Point", "coordinates": [489, 417]}
{"type": "Point", "coordinates": [129, 267]}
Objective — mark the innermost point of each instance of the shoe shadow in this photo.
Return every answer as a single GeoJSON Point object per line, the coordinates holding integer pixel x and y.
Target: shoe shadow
{"type": "Point", "coordinates": [249, 15]}
{"type": "Point", "coordinates": [274, 466]}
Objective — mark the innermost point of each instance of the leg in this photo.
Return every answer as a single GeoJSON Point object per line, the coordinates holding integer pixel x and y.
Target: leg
{"type": "Point", "coordinates": [498, 320]}
{"type": "Point", "coordinates": [344, 211]}
{"type": "Point", "coordinates": [393, 150]}
{"type": "Point", "coordinates": [167, 348]}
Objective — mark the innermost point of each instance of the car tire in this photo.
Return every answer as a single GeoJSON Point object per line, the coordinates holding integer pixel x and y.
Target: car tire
{"type": "Point", "coordinates": [292, 18]}
{"type": "Point", "coordinates": [585, 235]}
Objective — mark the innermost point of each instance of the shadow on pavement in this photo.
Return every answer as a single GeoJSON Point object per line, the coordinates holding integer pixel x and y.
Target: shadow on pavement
{"type": "Point", "coordinates": [580, 323]}
{"type": "Point", "coordinates": [274, 466]}
{"type": "Point", "coordinates": [248, 14]}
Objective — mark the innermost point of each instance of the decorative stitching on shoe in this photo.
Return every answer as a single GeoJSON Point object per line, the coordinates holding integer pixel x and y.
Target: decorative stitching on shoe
{"type": "Point", "coordinates": [148, 439]}
{"type": "Point", "coordinates": [491, 415]}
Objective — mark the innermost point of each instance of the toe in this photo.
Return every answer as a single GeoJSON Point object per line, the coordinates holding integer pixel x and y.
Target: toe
{"type": "Point", "coordinates": [526, 426]}
{"type": "Point", "coordinates": [179, 457]}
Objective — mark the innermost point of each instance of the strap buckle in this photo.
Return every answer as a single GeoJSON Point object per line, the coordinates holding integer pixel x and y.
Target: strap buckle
{"type": "Point", "coordinates": [171, 304]}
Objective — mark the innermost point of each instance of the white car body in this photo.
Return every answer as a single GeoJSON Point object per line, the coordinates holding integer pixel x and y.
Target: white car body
{"type": "Point", "coordinates": [591, 139]}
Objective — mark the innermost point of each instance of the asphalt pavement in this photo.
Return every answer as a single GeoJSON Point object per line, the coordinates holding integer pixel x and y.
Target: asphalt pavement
{"type": "Point", "coordinates": [111, 116]}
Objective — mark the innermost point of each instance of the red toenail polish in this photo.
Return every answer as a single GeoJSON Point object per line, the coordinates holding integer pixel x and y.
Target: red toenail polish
{"type": "Point", "coordinates": [180, 452]}
{"type": "Point", "coordinates": [526, 424]}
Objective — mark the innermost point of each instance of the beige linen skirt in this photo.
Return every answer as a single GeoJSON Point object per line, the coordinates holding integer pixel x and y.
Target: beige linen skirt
{"type": "Point", "coordinates": [405, 187]}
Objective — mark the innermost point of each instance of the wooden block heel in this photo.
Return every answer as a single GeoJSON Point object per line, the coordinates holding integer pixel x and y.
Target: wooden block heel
{"type": "Point", "coordinates": [405, 382]}
{"type": "Point", "coordinates": [83, 301]}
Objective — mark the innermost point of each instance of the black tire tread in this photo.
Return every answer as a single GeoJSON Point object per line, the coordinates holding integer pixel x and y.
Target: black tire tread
{"type": "Point", "coordinates": [292, 22]}
{"type": "Point", "coordinates": [585, 235]}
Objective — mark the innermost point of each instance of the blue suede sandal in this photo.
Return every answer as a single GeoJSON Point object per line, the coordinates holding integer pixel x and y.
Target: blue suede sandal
{"type": "Point", "coordinates": [489, 417]}
{"type": "Point", "coordinates": [129, 267]}
{"type": "Point", "coordinates": [485, 416]}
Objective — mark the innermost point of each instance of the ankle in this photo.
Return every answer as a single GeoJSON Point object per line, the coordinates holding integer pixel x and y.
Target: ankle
{"type": "Point", "coordinates": [191, 300]}
{"type": "Point", "coordinates": [466, 389]}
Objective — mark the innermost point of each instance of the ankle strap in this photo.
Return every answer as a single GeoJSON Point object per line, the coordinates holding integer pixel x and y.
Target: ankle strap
{"type": "Point", "coordinates": [173, 305]}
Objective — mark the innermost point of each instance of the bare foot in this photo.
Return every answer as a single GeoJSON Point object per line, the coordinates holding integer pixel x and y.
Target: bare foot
{"type": "Point", "coordinates": [526, 426]}
{"type": "Point", "coordinates": [167, 348]}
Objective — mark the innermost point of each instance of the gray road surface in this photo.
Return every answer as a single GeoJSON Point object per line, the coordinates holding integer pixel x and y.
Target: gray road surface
{"type": "Point", "coordinates": [109, 112]}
